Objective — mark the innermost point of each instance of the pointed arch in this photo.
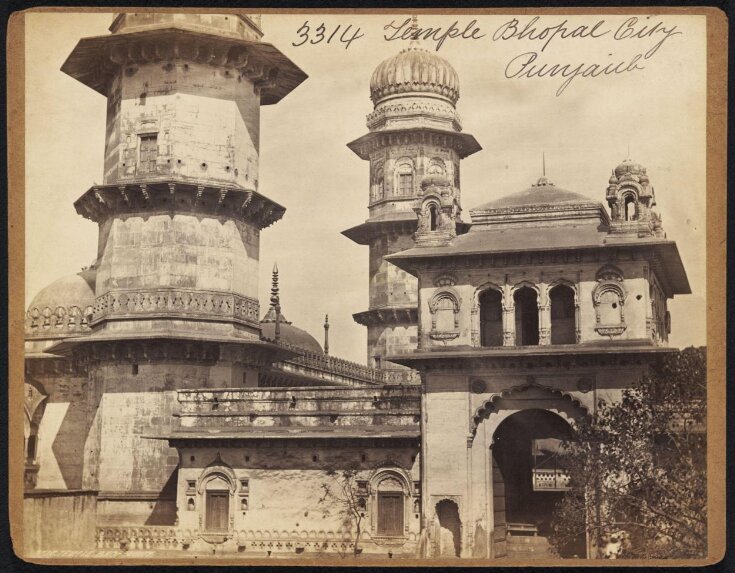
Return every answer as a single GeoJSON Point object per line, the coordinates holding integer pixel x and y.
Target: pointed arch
{"type": "Point", "coordinates": [560, 401]}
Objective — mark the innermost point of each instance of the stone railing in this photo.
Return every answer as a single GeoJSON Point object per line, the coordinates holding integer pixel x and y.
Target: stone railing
{"type": "Point", "coordinates": [146, 538]}
{"type": "Point", "coordinates": [300, 400]}
{"type": "Point", "coordinates": [550, 480]}
{"type": "Point", "coordinates": [177, 302]}
{"type": "Point", "coordinates": [327, 363]}
{"type": "Point", "coordinates": [59, 321]}
{"type": "Point", "coordinates": [141, 538]}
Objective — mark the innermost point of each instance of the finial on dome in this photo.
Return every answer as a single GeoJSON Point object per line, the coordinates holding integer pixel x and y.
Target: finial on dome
{"type": "Point", "coordinates": [543, 161]}
{"type": "Point", "coordinates": [275, 296]}
{"type": "Point", "coordinates": [326, 334]}
{"type": "Point", "coordinates": [274, 311]}
{"type": "Point", "coordinates": [414, 32]}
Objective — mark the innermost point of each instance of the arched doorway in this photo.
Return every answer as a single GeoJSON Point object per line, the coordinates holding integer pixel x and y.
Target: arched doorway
{"type": "Point", "coordinates": [217, 504]}
{"type": "Point", "coordinates": [450, 528]}
{"type": "Point", "coordinates": [526, 304]}
{"type": "Point", "coordinates": [527, 474]}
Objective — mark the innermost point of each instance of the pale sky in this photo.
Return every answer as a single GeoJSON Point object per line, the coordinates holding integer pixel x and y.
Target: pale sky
{"type": "Point", "coordinates": [657, 112]}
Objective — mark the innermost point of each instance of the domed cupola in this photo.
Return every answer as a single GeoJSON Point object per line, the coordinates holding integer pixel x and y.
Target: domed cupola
{"type": "Point", "coordinates": [631, 197]}
{"type": "Point", "coordinates": [62, 308]}
{"type": "Point", "coordinates": [415, 71]}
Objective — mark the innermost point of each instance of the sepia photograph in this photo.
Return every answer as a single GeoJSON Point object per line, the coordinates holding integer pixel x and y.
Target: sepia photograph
{"type": "Point", "coordinates": [372, 286]}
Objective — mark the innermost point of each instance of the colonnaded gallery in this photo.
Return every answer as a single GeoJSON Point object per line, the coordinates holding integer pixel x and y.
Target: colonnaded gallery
{"type": "Point", "coordinates": [167, 410]}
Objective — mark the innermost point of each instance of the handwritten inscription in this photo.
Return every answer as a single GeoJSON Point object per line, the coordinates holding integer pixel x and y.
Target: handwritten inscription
{"type": "Point", "coordinates": [405, 31]}
{"type": "Point", "coordinates": [526, 65]}
{"type": "Point", "coordinates": [541, 32]}
{"type": "Point", "coordinates": [320, 33]}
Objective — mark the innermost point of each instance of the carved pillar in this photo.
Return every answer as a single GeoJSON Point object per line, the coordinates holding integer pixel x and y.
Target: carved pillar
{"type": "Point", "coordinates": [475, 324]}
{"type": "Point", "coordinates": [544, 315]}
{"type": "Point", "coordinates": [509, 324]}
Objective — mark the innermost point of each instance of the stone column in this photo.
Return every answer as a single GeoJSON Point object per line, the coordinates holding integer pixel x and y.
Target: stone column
{"type": "Point", "coordinates": [509, 319]}
{"type": "Point", "coordinates": [544, 315]}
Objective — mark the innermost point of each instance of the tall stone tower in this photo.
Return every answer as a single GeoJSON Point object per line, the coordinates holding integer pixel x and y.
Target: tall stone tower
{"type": "Point", "coordinates": [179, 217]}
{"type": "Point", "coordinates": [414, 147]}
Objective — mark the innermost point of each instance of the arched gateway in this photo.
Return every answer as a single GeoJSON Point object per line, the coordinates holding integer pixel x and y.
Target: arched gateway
{"type": "Point", "coordinates": [525, 429]}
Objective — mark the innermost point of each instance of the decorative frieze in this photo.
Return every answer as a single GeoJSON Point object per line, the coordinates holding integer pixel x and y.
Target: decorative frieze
{"type": "Point", "coordinates": [179, 303]}
{"type": "Point", "coordinates": [49, 322]}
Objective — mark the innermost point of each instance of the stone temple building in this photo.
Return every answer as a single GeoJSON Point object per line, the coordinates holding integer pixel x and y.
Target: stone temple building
{"type": "Point", "coordinates": [167, 411]}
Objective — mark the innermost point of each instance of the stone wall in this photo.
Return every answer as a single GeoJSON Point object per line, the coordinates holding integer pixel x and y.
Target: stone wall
{"type": "Point", "coordinates": [59, 521]}
{"type": "Point", "coordinates": [206, 119]}
{"type": "Point", "coordinates": [181, 251]}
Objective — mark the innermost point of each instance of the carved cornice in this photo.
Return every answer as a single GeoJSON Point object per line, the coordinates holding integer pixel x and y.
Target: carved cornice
{"type": "Point", "coordinates": [96, 61]}
{"type": "Point", "coordinates": [395, 315]}
{"type": "Point", "coordinates": [463, 143]}
{"type": "Point", "coordinates": [367, 232]}
{"type": "Point", "coordinates": [171, 196]}
{"type": "Point", "coordinates": [178, 303]}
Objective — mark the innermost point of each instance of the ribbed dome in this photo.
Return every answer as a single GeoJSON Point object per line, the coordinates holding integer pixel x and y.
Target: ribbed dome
{"type": "Point", "coordinates": [629, 167]}
{"type": "Point", "coordinates": [66, 292]}
{"type": "Point", "coordinates": [414, 70]}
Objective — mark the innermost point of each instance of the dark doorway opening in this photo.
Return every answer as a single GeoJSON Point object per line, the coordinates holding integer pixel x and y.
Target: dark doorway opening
{"type": "Point", "coordinates": [491, 318]}
{"type": "Point", "coordinates": [526, 448]}
{"type": "Point", "coordinates": [563, 328]}
{"type": "Point", "coordinates": [448, 514]}
{"type": "Point", "coordinates": [526, 303]}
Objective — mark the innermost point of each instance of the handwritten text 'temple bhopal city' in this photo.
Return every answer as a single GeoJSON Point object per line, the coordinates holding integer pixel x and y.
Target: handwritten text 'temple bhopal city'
{"type": "Point", "coordinates": [527, 64]}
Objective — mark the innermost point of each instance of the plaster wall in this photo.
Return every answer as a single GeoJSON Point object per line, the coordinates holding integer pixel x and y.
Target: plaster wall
{"type": "Point", "coordinates": [206, 119]}
{"type": "Point", "coordinates": [286, 482]}
{"type": "Point", "coordinates": [181, 251]}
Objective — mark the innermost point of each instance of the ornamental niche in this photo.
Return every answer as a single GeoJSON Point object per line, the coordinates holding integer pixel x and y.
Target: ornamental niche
{"type": "Point", "coordinates": [608, 298]}
{"type": "Point", "coordinates": [444, 308]}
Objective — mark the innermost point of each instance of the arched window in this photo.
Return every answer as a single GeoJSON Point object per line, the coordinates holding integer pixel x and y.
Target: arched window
{"type": "Point", "coordinates": [437, 167]}
{"type": "Point", "coordinates": [526, 317]}
{"type": "Point", "coordinates": [391, 510]}
{"type": "Point", "coordinates": [629, 208]}
{"type": "Point", "coordinates": [491, 318]}
{"type": "Point", "coordinates": [405, 179]}
{"type": "Point", "coordinates": [563, 328]}
{"type": "Point", "coordinates": [432, 217]}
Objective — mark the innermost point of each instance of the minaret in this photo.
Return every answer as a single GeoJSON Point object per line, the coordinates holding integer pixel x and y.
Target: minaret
{"type": "Point", "coordinates": [414, 147]}
{"type": "Point", "coordinates": [631, 199]}
{"type": "Point", "coordinates": [180, 216]}
{"type": "Point", "coordinates": [179, 210]}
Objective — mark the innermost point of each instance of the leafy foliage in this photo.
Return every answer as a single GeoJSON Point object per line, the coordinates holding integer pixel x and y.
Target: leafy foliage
{"type": "Point", "coordinates": [638, 468]}
{"type": "Point", "coordinates": [341, 492]}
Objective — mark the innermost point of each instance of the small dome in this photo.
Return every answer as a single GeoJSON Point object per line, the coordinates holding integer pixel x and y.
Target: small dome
{"type": "Point", "coordinates": [66, 292]}
{"type": "Point", "coordinates": [544, 192]}
{"type": "Point", "coordinates": [414, 70]}
{"type": "Point", "coordinates": [629, 167]}
{"type": "Point", "coordinates": [291, 335]}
